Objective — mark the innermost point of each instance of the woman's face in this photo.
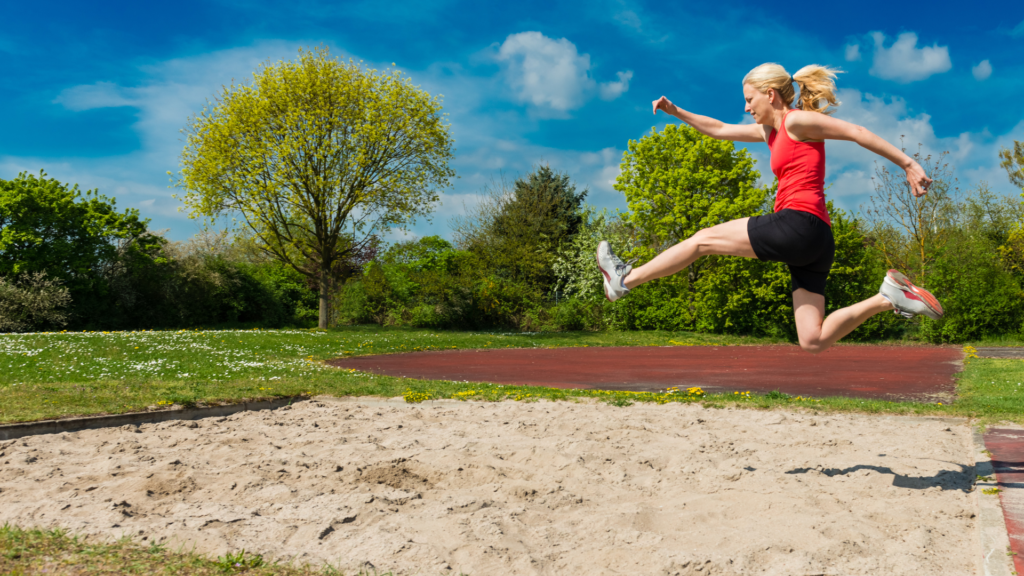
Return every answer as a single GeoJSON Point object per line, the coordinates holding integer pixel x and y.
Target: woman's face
{"type": "Point", "coordinates": [759, 104]}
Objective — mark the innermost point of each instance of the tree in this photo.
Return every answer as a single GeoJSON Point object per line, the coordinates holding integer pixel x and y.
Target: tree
{"type": "Point", "coordinates": [1013, 162]}
{"type": "Point", "coordinates": [517, 230]}
{"type": "Point", "coordinates": [318, 157]}
{"type": "Point", "coordinates": [910, 231]}
{"type": "Point", "coordinates": [76, 238]}
{"type": "Point", "coordinates": [677, 182]}
{"type": "Point", "coordinates": [975, 273]}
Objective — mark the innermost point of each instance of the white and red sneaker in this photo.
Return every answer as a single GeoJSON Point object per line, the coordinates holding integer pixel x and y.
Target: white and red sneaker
{"type": "Point", "coordinates": [908, 298]}
{"type": "Point", "coordinates": [614, 271]}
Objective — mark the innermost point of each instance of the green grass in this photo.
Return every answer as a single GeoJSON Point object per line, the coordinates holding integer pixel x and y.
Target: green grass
{"type": "Point", "coordinates": [55, 552]}
{"type": "Point", "coordinates": [57, 375]}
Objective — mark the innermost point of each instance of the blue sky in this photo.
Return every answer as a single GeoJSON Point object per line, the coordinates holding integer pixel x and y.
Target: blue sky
{"type": "Point", "coordinates": [95, 93]}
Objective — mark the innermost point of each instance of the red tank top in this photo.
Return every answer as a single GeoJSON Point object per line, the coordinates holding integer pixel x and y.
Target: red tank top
{"type": "Point", "coordinates": [800, 168]}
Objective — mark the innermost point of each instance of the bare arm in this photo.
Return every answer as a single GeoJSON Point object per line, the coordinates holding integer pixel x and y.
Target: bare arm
{"type": "Point", "coordinates": [815, 126]}
{"type": "Point", "coordinates": [709, 126]}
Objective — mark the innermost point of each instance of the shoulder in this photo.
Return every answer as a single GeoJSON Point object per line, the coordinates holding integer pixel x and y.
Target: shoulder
{"type": "Point", "coordinates": [800, 122]}
{"type": "Point", "coordinates": [796, 118]}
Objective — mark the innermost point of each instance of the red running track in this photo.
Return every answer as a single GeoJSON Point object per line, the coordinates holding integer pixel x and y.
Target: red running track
{"type": "Point", "coordinates": [916, 373]}
{"type": "Point", "coordinates": [1007, 448]}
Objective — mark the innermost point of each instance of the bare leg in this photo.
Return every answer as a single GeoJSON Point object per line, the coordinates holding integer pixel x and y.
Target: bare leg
{"type": "Point", "coordinates": [818, 333]}
{"type": "Point", "coordinates": [728, 239]}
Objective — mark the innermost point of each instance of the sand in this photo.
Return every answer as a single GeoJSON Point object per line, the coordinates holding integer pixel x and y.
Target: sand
{"type": "Point", "coordinates": [520, 488]}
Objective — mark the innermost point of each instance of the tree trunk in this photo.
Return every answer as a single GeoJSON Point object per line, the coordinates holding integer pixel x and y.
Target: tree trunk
{"type": "Point", "coordinates": [325, 295]}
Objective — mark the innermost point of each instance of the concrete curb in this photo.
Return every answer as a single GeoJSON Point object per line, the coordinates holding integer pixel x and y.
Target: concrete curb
{"type": "Point", "coordinates": [994, 539]}
{"type": "Point", "coordinates": [20, 430]}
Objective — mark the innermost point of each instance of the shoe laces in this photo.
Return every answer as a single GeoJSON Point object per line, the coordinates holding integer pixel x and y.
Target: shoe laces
{"type": "Point", "coordinates": [620, 265]}
{"type": "Point", "coordinates": [623, 268]}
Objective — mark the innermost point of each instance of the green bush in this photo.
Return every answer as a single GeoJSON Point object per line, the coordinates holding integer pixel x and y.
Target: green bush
{"type": "Point", "coordinates": [744, 296]}
{"type": "Point", "coordinates": [979, 295]}
{"type": "Point", "coordinates": [663, 304]}
{"type": "Point", "coordinates": [32, 302]}
{"type": "Point", "coordinates": [184, 290]}
{"type": "Point", "coordinates": [575, 314]}
{"type": "Point", "coordinates": [575, 267]}
{"type": "Point", "coordinates": [509, 304]}
{"type": "Point", "coordinates": [425, 283]}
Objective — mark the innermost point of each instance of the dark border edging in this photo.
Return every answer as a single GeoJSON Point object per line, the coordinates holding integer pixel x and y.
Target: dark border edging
{"type": "Point", "coordinates": [993, 536]}
{"type": "Point", "coordinates": [22, 429]}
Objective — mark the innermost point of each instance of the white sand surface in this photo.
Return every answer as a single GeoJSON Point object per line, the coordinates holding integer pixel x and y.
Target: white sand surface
{"type": "Point", "coordinates": [520, 488]}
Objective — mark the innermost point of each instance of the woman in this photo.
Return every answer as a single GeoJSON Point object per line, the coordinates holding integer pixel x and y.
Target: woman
{"type": "Point", "coordinates": [798, 232]}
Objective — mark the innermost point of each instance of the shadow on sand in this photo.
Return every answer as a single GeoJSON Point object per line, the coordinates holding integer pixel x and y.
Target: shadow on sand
{"type": "Point", "coordinates": [962, 480]}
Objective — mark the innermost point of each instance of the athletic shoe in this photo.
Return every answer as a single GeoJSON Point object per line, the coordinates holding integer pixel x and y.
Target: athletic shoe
{"type": "Point", "coordinates": [909, 299]}
{"type": "Point", "coordinates": [614, 270]}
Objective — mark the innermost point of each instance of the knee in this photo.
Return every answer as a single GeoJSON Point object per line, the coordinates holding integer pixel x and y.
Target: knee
{"type": "Point", "coordinates": [702, 241]}
{"type": "Point", "coordinates": [813, 346]}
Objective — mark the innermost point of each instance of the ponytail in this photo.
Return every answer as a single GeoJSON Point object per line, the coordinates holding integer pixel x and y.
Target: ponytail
{"type": "Point", "coordinates": [817, 85]}
{"type": "Point", "coordinates": [817, 88]}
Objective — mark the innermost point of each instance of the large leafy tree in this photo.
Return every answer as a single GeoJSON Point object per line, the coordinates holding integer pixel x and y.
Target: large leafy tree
{"type": "Point", "coordinates": [678, 181]}
{"type": "Point", "coordinates": [317, 157]}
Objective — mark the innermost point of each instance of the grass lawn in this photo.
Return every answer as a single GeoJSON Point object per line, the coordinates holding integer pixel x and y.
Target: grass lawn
{"type": "Point", "coordinates": [58, 375]}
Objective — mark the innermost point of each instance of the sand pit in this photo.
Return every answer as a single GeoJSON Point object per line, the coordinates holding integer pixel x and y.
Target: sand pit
{"type": "Point", "coordinates": [518, 488]}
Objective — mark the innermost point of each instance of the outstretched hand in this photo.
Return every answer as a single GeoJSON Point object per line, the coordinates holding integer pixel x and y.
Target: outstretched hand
{"type": "Point", "coordinates": [664, 105]}
{"type": "Point", "coordinates": [918, 180]}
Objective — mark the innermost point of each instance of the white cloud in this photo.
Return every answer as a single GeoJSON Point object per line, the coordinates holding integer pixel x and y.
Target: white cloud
{"type": "Point", "coordinates": [551, 74]}
{"type": "Point", "coordinates": [90, 96]}
{"type": "Point", "coordinates": [982, 71]}
{"type": "Point", "coordinates": [850, 167]}
{"type": "Point", "coordinates": [852, 52]}
{"type": "Point", "coordinates": [630, 15]}
{"type": "Point", "coordinates": [396, 235]}
{"type": "Point", "coordinates": [546, 72]}
{"type": "Point", "coordinates": [630, 19]}
{"type": "Point", "coordinates": [612, 90]}
{"type": "Point", "coordinates": [905, 62]}
{"type": "Point", "coordinates": [1018, 30]}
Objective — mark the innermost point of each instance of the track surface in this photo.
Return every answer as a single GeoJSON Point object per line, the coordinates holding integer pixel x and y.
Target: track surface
{"type": "Point", "coordinates": [916, 373]}
{"type": "Point", "coordinates": [1007, 448]}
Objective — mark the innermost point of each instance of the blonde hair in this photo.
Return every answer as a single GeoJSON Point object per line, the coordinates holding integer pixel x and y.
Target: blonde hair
{"type": "Point", "coordinates": [817, 85]}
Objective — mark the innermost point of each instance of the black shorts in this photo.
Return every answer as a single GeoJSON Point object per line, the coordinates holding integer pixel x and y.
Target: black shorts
{"type": "Point", "coordinates": [799, 239]}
